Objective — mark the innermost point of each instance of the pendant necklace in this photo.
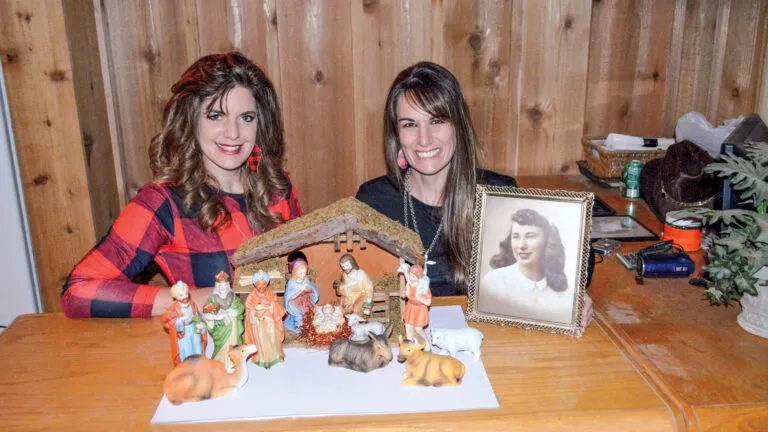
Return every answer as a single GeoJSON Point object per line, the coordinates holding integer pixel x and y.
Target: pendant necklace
{"type": "Point", "coordinates": [408, 209]}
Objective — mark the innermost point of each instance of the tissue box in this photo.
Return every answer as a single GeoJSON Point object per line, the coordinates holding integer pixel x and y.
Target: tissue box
{"type": "Point", "coordinates": [610, 164]}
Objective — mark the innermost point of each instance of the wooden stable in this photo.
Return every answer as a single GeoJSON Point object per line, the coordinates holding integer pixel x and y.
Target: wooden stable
{"type": "Point", "coordinates": [347, 226]}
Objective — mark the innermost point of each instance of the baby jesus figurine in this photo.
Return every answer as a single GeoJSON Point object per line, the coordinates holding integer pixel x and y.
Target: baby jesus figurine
{"type": "Point", "coordinates": [328, 318]}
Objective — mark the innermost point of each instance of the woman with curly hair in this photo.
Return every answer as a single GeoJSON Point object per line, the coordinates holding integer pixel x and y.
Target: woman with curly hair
{"type": "Point", "coordinates": [218, 180]}
{"type": "Point", "coordinates": [528, 277]}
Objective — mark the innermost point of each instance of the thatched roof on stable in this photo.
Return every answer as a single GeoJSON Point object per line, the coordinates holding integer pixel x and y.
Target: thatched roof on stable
{"type": "Point", "coordinates": [348, 214]}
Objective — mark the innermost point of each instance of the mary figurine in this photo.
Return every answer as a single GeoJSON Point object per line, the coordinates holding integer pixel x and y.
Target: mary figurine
{"type": "Point", "coordinates": [300, 296]}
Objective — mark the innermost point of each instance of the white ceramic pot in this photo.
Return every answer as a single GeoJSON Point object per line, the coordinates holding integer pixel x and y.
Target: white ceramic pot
{"type": "Point", "coordinates": [754, 311]}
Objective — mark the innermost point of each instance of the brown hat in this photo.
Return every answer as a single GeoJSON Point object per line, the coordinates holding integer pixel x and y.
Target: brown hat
{"type": "Point", "coordinates": [678, 180]}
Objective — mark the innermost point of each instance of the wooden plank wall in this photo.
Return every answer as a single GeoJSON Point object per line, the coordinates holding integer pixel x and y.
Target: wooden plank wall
{"type": "Point", "coordinates": [41, 98]}
{"type": "Point", "coordinates": [538, 75]}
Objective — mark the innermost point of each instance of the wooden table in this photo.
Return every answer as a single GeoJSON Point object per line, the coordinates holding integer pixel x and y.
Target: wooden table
{"type": "Point", "coordinates": [712, 372]}
{"type": "Point", "coordinates": [658, 358]}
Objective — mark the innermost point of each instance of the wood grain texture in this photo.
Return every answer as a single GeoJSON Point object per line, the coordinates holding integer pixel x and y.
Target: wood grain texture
{"type": "Point", "coordinates": [542, 381]}
{"type": "Point", "coordinates": [478, 50]}
{"type": "Point", "coordinates": [387, 36]}
{"type": "Point", "coordinates": [697, 57]}
{"type": "Point", "coordinates": [90, 89]}
{"type": "Point", "coordinates": [741, 76]}
{"type": "Point", "coordinates": [538, 75]}
{"type": "Point", "coordinates": [318, 94]}
{"type": "Point", "coordinates": [41, 97]}
{"type": "Point", "coordinates": [554, 73]}
{"type": "Point", "coordinates": [629, 53]}
{"type": "Point", "coordinates": [687, 348]}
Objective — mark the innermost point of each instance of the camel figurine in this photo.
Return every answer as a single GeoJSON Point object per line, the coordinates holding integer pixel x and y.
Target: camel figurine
{"type": "Point", "coordinates": [198, 378]}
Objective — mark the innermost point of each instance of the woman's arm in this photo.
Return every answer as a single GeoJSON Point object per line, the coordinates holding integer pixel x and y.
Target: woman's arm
{"type": "Point", "coordinates": [101, 284]}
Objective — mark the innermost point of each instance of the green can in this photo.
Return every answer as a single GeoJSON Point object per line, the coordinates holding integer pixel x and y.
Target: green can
{"type": "Point", "coordinates": [630, 180]}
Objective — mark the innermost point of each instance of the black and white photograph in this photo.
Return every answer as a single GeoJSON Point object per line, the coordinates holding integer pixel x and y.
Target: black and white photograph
{"type": "Point", "coordinates": [529, 262]}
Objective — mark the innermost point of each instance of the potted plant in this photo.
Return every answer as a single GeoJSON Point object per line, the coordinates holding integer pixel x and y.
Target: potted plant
{"type": "Point", "coordinates": [740, 250]}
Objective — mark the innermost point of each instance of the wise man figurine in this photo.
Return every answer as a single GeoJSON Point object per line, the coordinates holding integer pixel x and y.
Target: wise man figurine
{"type": "Point", "coordinates": [264, 322]}
{"type": "Point", "coordinates": [355, 288]}
{"type": "Point", "coordinates": [184, 325]}
{"type": "Point", "coordinates": [223, 313]}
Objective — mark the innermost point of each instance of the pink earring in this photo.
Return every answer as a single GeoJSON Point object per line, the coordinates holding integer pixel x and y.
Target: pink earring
{"type": "Point", "coordinates": [401, 161]}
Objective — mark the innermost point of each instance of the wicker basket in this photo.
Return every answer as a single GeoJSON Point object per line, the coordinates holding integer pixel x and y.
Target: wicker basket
{"type": "Point", "coordinates": [610, 164]}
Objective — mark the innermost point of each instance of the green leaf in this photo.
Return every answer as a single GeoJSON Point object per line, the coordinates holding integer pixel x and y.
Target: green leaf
{"type": "Point", "coordinates": [757, 151]}
{"type": "Point", "coordinates": [746, 175]}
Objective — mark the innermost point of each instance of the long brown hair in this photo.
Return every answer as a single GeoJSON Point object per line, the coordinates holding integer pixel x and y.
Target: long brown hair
{"type": "Point", "coordinates": [175, 155]}
{"type": "Point", "coordinates": [433, 89]}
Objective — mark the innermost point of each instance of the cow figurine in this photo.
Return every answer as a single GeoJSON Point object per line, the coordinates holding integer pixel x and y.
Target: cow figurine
{"type": "Point", "coordinates": [427, 369]}
{"type": "Point", "coordinates": [361, 327]}
{"type": "Point", "coordinates": [365, 356]}
{"type": "Point", "coordinates": [451, 341]}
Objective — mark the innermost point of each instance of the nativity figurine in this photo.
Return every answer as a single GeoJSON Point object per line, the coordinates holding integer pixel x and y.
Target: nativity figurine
{"type": "Point", "coordinates": [264, 322]}
{"type": "Point", "coordinates": [328, 318]}
{"type": "Point", "coordinates": [418, 299]}
{"type": "Point", "coordinates": [427, 369]}
{"type": "Point", "coordinates": [223, 314]}
{"type": "Point", "coordinates": [355, 288]}
{"type": "Point", "coordinates": [184, 325]}
{"type": "Point", "coordinates": [300, 296]}
{"type": "Point", "coordinates": [198, 378]}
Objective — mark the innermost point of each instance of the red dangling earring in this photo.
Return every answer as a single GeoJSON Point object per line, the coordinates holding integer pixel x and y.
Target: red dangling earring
{"type": "Point", "coordinates": [254, 159]}
{"type": "Point", "coordinates": [401, 161]}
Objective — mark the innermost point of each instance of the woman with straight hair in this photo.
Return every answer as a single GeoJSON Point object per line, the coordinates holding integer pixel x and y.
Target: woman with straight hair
{"type": "Point", "coordinates": [218, 180]}
{"type": "Point", "coordinates": [431, 151]}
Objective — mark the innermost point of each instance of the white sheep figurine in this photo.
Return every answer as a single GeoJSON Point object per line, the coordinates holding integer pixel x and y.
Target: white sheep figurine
{"type": "Point", "coordinates": [361, 327]}
{"type": "Point", "coordinates": [451, 341]}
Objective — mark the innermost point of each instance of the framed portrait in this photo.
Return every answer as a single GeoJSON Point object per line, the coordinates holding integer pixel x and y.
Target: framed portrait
{"type": "Point", "coordinates": [529, 258]}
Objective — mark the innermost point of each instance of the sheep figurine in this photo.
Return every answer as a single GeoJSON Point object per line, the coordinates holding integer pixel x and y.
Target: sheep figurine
{"type": "Point", "coordinates": [451, 341]}
{"type": "Point", "coordinates": [360, 327]}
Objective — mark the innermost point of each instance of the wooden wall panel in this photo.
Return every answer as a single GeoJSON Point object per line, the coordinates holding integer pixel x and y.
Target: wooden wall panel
{"type": "Point", "coordinates": [93, 109]}
{"type": "Point", "coordinates": [741, 76]}
{"type": "Point", "coordinates": [537, 76]}
{"type": "Point", "coordinates": [482, 48]}
{"type": "Point", "coordinates": [628, 58]}
{"type": "Point", "coordinates": [698, 55]}
{"type": "Point", "coordinates": [387, 37]}
{"type": "Point", "coordinates": [318, 94]}
{"type": "Point", "coordinates": [41, 97]}
{"type": "Point", "coordinates": [553, 89]}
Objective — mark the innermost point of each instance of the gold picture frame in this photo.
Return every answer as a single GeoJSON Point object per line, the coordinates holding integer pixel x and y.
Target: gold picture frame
{"type": "Point", "coordinates": [549, 244]}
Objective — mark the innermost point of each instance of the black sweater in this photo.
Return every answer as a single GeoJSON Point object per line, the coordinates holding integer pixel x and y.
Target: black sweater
{"type": "Point", "coordinates": [383, 195]}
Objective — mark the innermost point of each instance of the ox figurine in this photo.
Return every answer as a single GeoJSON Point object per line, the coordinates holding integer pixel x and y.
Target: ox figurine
{"type": "Point", "coordinates": [427, 369]}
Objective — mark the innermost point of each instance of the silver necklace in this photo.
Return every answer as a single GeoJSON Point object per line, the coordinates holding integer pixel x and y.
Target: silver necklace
{"type": "Point", "coordinates": [408, 210]}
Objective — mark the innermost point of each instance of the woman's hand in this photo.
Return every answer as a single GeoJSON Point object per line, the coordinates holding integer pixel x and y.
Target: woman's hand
{"type": "Point", "coordinates": [586, 312]}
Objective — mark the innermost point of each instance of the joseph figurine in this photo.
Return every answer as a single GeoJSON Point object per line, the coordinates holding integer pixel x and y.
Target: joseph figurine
{"type": "Point", "coordinates": [355, 287]}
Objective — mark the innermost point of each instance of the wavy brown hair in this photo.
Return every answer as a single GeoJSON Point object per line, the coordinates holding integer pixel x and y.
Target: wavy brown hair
{"type": "Point", "coordinates": [433, 89]}
{"type": "Point", "coordinates": [553, 259]}
{"type": "Point", "coordinates": [175, 155]}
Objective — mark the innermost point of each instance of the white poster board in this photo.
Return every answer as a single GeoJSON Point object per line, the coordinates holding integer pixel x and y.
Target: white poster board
{"type": "Point", "coordinates": [305, 386]}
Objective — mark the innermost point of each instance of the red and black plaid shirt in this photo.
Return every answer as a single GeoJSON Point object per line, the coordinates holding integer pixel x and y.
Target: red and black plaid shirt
{"type": "Point", "coordinates": [152, 227]}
